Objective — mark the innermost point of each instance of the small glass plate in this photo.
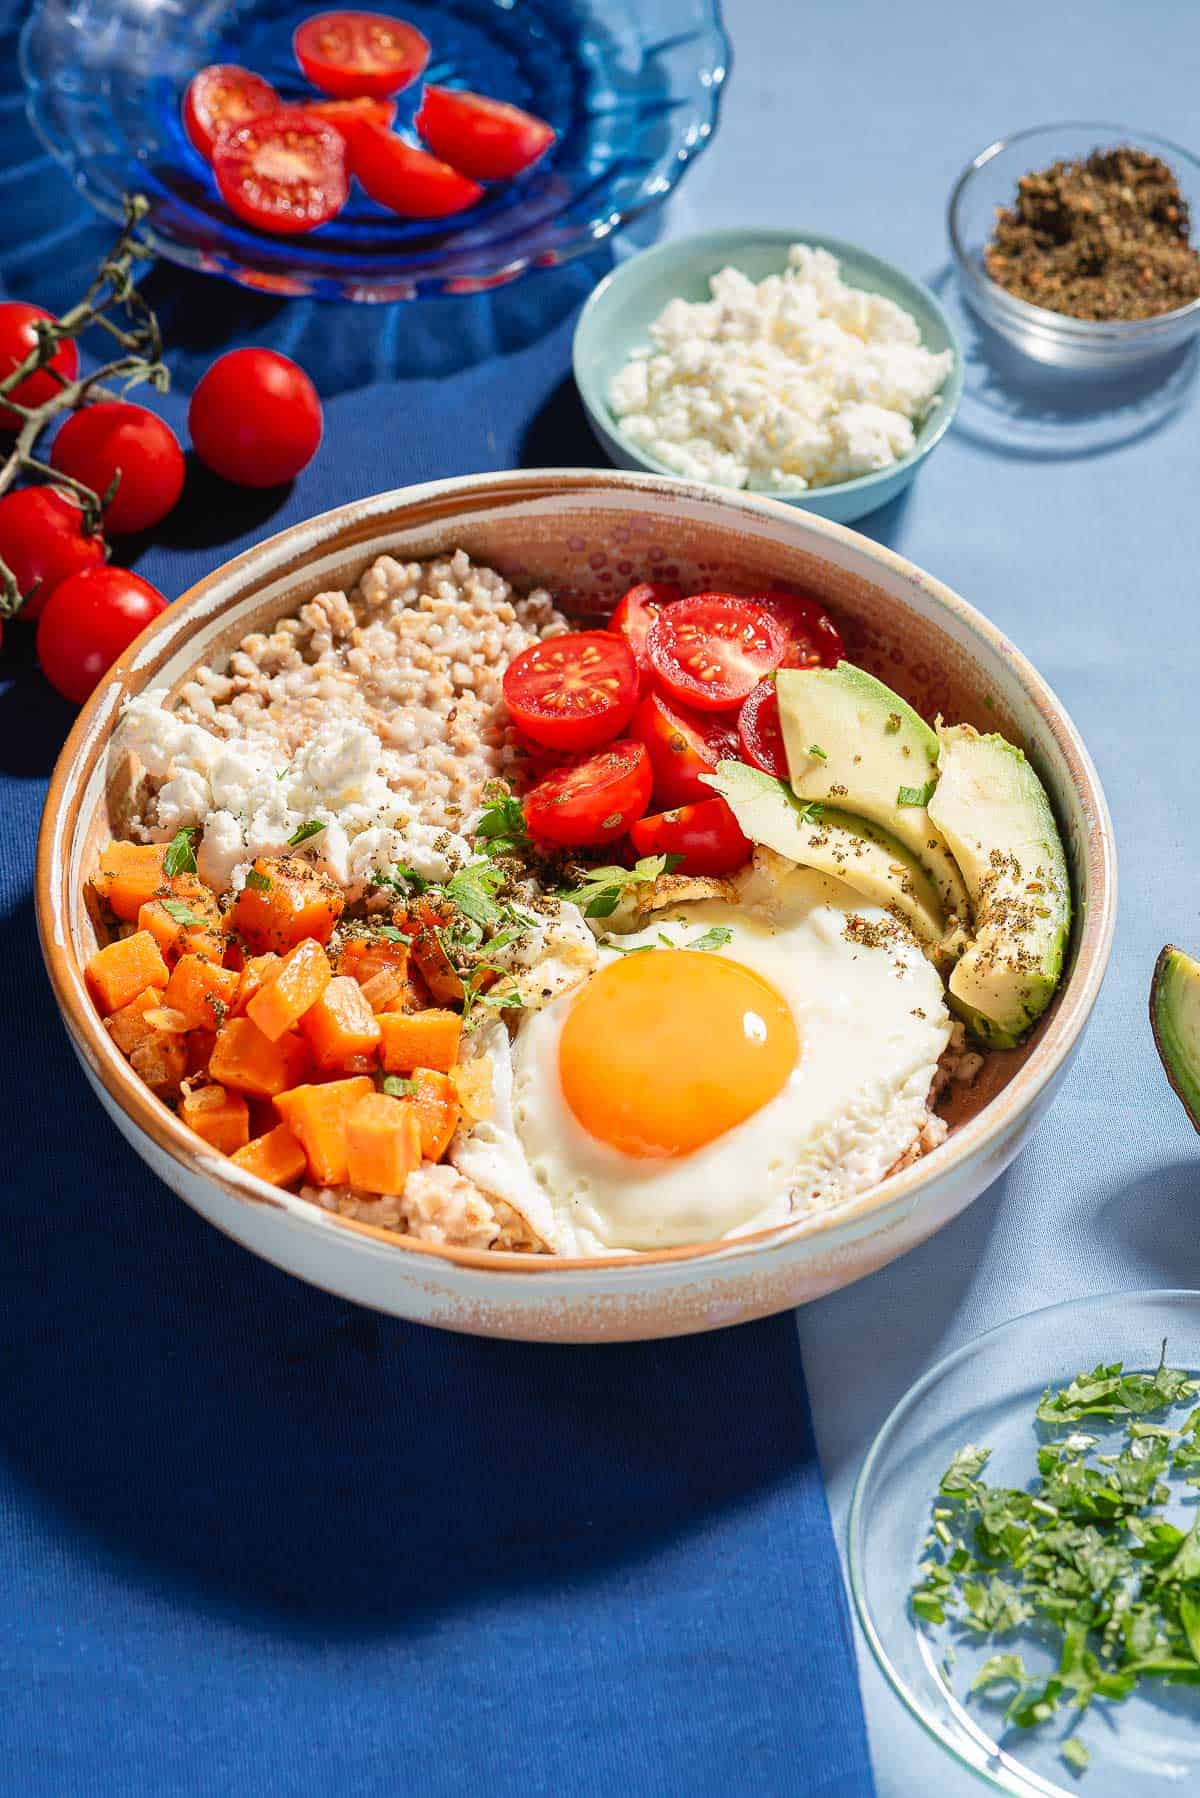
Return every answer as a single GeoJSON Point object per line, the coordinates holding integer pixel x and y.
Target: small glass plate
{"type": "Point", "coordinates": [986, 1393]}
{"type": "Point", "coordinates": [632, 88]}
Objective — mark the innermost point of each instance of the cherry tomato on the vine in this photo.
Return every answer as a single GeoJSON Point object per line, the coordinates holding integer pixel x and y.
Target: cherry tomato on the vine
{"type": "Point", "coordinates": [116, 438]}
{"type": "Point", "coordinates": [255, 418]}
{"type": "Point", "coordinates": [43, 541]}
{"type": "Point", "coordinates": [17, 337]}
{"type": "Point", "coordinates": [706, 835]}
{"type": "Point", "coordinates": [88, 621]}
{"type": "Point", "coordinates": [349, 53]}
{"type": "Point", "coordinates": [221, 96]}
{"type": "Point", "coordinates": [407, 180]}
{"type": "Point", "coordinates": [574, 691]}
{"type": "Point", "coordinates": [593, 801]}
{"type": "Point", "coordinates": [711, 649]}
{"type": "Point", "coordinates": [487, 139]}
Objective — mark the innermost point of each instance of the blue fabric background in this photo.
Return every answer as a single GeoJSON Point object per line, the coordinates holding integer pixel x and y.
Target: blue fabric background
{"type": "Point", "coordinates": [255, 1539]}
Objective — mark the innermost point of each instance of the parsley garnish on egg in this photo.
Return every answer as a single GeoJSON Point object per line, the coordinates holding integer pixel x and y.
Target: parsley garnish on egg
{"type": "Point", "coordinates": [599, 891]}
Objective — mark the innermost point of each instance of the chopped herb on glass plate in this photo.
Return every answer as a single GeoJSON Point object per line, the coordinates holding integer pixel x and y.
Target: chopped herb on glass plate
{"type": "Point", "coordinates": [1025, 1549]}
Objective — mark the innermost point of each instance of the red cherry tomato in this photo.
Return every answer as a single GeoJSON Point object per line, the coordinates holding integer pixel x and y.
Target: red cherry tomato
{"type": "Point", "coordinates": [221, 96]}
{"type": "Point", "coordinates": [760, 732]}
{"type": "Point", "coordinates": [255, 418]}
{"type": "Point", "coordinates": [17, 338]}
{"type": "Point", "coordinates": [286, 172]}
{"type": "Point", "coordinates": [349, 53]}
{"type": "Point", "coordinates": [814, 640]}
{"type": "Point", "coordinates": [682, 746]}
{"type": "Point", "coordinates": [594, 801]}
{"type": "Point", "coordinates": [487, 139]}
{"type": "Point", "coordinates": [347, 116]}
{"type": "Point", "coordinates": [573, 692]}
{"type": "Point", "coordinates": [43, 542]}
{"type": "Point", "coordinates": [707, 836]}
{"type": "Point", "coordinates": [710, 650]}
{"type": "Point", "coordinates": [113, 438]}
{"type": "Point", "coordinates": [409, 181]}
{"type": "Point", "coordinates": [636, 612]}
{"type": "Point", "coordinates": [86, 624]}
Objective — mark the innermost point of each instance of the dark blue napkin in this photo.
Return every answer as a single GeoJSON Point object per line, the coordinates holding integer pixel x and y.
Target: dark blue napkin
{"type": "Point", "coordinates": [254, 1539]}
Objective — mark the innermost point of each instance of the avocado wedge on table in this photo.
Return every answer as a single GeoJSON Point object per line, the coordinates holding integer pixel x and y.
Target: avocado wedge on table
{"type": "Point", "coordinates": [1175, 1020]}
{"type": "Point", "coordinates": [992, 810]}
{"type": "Point", "coordinates": [854, 744]}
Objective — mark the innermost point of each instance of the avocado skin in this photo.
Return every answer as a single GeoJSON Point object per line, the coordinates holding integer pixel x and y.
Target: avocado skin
{"type": "Point", "coordinates": [1175, 1021]}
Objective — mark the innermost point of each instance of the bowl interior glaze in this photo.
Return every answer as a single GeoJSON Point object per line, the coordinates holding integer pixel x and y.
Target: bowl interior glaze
{"type": "Point", "coordinates": [587, 535]}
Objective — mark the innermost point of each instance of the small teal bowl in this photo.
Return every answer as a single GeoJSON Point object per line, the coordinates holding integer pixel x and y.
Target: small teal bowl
{"type": "Point", "coordinates": [617, 318]}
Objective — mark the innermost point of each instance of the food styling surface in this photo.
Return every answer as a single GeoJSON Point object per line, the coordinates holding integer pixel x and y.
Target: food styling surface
{"type": "Point", "coordinates": [1083, 553]}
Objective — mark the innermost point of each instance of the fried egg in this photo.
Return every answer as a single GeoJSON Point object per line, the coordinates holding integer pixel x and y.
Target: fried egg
{"type": "Point", "coordinates": [723, 1069]}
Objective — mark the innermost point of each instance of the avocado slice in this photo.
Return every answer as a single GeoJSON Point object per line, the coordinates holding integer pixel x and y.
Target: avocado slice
{"type": "Point", "coordinates": [1175, 1020]}
{"type": "Point", "coordinates": [992, 809]}
{"type": "Point", "coordinates": [833, 842]}
{"type": "Point", "coordinates": [853, 743]}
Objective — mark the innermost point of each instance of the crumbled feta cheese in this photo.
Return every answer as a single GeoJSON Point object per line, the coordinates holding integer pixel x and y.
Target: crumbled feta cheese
{"type": "Point", "coordinates": [788, 383]}
{"type": "Point", "coordinates": [246, 806]}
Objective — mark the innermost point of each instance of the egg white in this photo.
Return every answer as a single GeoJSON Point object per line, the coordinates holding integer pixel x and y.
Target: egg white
{"type": "Point", "coordinates": [872, 1023]}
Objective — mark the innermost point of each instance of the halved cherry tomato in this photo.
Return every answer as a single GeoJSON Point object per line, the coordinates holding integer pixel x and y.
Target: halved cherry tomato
{"type": "Point", "coordinates": [594, 801]}
{"type": "Point", "coordinates": [43, 541]}
{"type": "Point", "coordinates": [409, 181]}
{"type": "Point", "coordinates": [707, 836]}
{"type": "Point", "coordinates": [813, 638]}
{"type": "Point", "coordinates": [350, 53]}
{"type": "Point", "coordinates": [221, 96]}
{"type": "Point", "coordinates": [760, 732]}
{"type": "Point", "coordinates": [636, 612]}
{"type": "Point", "coordinates": [682, 746]}
{"type": "Point", "coordinates": [710, 650]}
{"type": "Point", "coordinates": [573, 692]}
{"type": "Point", "coordinates": [18, 335]}
{"type": "Point", "coordinates": [285, 172]}
{"type": "Point", "coordinates": [488, 139]}
{"type": "Point", "coordinates": [347, 116]}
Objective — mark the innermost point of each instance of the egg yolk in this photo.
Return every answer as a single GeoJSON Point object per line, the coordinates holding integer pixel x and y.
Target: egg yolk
{"type": "Point", "coordinates": [662, 1052]}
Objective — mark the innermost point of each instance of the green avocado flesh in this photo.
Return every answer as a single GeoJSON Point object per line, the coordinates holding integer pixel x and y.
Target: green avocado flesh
{"type": "Point", "coordinates": [854, 744]}
{"type": "Point", "coordinates": [1175, 1020]}
{"type": "Point", "coordinates": [992, 810]}
{"type": "Point", "coordinates": [832, 842]}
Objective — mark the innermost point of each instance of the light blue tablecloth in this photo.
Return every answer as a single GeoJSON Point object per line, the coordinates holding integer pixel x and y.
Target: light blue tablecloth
{"type": "Point", "coordinates": [856, 119]}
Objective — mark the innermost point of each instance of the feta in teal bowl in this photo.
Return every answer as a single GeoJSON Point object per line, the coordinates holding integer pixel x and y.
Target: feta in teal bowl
{"type": "Point", "coordinates": [793, 376]}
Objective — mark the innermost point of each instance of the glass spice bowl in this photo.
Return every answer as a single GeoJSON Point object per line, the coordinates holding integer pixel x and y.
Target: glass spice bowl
{"type": "Point", "coordinates": [1087, 345]}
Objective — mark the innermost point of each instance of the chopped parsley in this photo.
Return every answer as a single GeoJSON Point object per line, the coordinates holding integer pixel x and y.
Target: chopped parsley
{"type": "Point", "coordinates": [599, 892]}
{"type": "Point", "coordinates": [183, 914]}
{"type": "Point", "coordinates": [501, 827]}
{"type": "Point", "coordinates": [180, 857]}
{"type": "Point", "coordinates": [259, 883]}
{"type": "Point", "coordinates": [916, 795]}
{"type": "Point", "coordinates": [402, 880]}
{"type": "Point", "coordinates": [473, 890]}
{"type": "Point", "coordinates": [390, 934]}
{"type": "Point", "coordinates": [716, 938]}
{"type": "Point", "coordinates": [312, 828]}
{"type": "Point", "coordinates": [815, 749]}
{"type": "Point", "coordinates": [1085, 1551]}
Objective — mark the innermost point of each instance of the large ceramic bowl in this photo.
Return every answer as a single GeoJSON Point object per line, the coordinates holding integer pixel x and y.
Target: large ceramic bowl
{"type": "Point", "coordinates": [585, 535]}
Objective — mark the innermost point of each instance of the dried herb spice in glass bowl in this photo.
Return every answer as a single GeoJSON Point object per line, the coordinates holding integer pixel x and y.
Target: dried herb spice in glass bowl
{"type": "Point", "coordinates": [1077, 251]}
{"type": "Point", "coordinates": [1106, 237]}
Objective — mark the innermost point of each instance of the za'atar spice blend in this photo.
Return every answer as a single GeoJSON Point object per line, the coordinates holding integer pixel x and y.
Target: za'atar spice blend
{"type": "Point", "coordinates": [1106, 237]}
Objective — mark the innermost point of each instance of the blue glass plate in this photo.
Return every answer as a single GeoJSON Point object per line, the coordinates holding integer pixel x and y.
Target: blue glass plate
{"type": "Point", "coordinates": [632, 88]}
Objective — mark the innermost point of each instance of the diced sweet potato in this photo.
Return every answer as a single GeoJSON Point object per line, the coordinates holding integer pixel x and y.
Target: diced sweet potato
{"type": "Point", "coordinates": [473, 1084]}
{"type": "Point", "coordinates": [200, 1045]}
{"type": "Point", "coordinates": [385, 991]}
{"type": "Point", "coordinates": [185, 919]}
{"type": "Point", "coordinates": [362, 957]}
{"type": "Point", "coordinates": [129, 874]}
{"type": "Point", "coordinates": [317, 1116]}
{"type": "Point", "coordinates": [340, 1026]}
{"type": "Point", "coordinates": [257, 971]}
{"type": "Point", "coordinates": [419, 1039]}
{"type": "Point", "coordinates": [436, 1102]}
{"type": "Point", "coordinates": [160, 1061]}
{"type": "Point", "coordinates": [383, 1143]}
{"type": "Point", "coordinates": [128, 1027]}
{"type": "Point", "coordinates": [284, 901]}
{"type": "Point", "coordinates": [251, 1063]}
{"type": "Point", "coordinates": [221, 1118]}
{"type": "Point", "coordinates": [295, 984]}
{"type": "Point", "coordinates": [118, 973]}
{"type": "Point", "coordinates": [275, 1157]}
{"type": "Point", "coordinates": [202, 990]}
{"type": "Point", "coordinates": [433, 965]}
